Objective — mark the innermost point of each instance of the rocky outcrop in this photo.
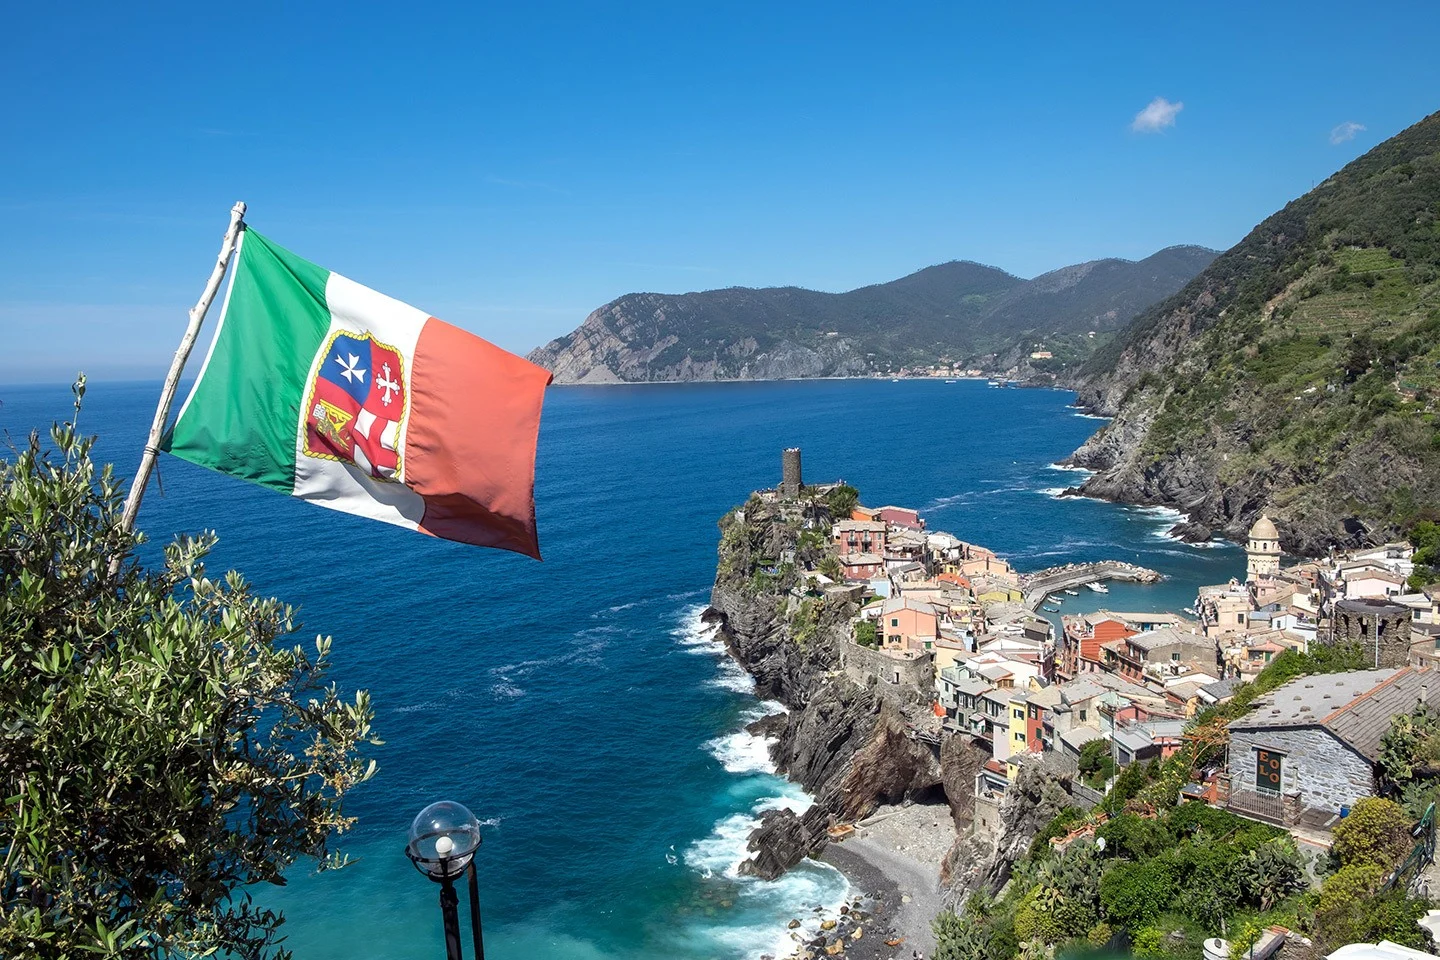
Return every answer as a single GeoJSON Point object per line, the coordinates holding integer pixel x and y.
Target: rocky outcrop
{"type": "Point", "coordinates": [960, 761]}
{"type": "Point", "coordinates": [840, 740]}
{"type": "Point", "coordinates": [1038, 794]}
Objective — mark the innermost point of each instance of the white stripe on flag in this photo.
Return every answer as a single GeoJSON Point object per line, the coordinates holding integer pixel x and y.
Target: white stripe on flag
{"type": "Point", "coordinates": [343, 486]}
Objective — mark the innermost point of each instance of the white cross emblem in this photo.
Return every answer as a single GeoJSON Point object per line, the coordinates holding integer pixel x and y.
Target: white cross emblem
{"type": "Point", "coordinates": [387, 386]}
{"type": "Point", "coordinates": [351, 371]}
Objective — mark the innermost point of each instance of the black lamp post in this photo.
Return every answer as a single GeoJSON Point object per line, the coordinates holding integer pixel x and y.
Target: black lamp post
{"type": "Point", "coordinates": [443, 841]}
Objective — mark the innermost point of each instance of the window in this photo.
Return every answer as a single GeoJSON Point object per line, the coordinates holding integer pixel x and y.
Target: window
{"type": "Point", "coordinates": [1019, 738]}
{"type": "Point", "coordinates": [1239, 618]}
{"type": "Point", "coordinates": [894, 621]}
{"type": "Point", "coordinates": [1175, 657]}
{"type": "Point", "coordinates": [1082, 716]}
{"type": "Point", "coordinates": [1019, 714]}
{"type": "Point", "coordinates": [1267, 771]}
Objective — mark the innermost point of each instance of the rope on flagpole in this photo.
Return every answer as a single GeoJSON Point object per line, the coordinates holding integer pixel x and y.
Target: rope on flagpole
{"type": "Point", "coordinates": [172, 379]}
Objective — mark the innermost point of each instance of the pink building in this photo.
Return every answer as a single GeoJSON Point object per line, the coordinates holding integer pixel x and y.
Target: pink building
{"type": "Point", "coordinates": [900, 517]}
{"type": "Point", "coordinates": [858, 536]}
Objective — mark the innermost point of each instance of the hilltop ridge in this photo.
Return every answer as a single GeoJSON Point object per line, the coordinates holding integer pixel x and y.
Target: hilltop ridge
{"type": "Point", "coordinates": [957, 314]}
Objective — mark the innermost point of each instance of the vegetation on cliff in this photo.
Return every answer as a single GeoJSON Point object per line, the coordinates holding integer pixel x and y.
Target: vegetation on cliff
{"type": "Point", "coordinates": [958, 312]}
{"type": "Point", "coordinates": [1299, 372]}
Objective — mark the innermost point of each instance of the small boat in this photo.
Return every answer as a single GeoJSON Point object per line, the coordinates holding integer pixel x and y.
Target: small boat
{"type": "Point", "coordinates": [1051, 609]}
{"type": "Point", "coordinates": [949, 381]}
{"type": "Point", "coordinates": [1098, 587]}
{"type": "Point", "coordinates": [992, 383]}
{"type": "Point", "coordinates": [1192, 611]}
{"type": "Point", "coordinates": [1073, 593]}
{"type": "Point", "coordinates": [1054, 599]}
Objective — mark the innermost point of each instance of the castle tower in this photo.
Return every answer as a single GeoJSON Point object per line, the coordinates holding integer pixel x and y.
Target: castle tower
{"type": "Point", "coordinates": [790, 482]}
{"type": "Point", "coordinates": [1262, 554]}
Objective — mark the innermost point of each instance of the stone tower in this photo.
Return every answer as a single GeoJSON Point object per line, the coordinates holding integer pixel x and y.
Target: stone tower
{"type": "Point", "coordinates": [1381, 628]}
{"type": "Point", "coordinates": [790, 482]}
{"type": "Point", "coordinates": [1262, 554]}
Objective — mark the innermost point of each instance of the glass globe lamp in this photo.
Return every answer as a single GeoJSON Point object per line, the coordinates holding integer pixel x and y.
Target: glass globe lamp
{"type": "Point", "coordinates": [443, 840]}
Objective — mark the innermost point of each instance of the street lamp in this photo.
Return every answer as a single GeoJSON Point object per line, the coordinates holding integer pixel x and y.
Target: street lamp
{"type": "Point", "coordinates": [443, 841]}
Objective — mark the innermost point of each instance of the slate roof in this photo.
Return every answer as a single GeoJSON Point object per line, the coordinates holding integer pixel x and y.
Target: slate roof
{"type": "Point", "coordinates": [907, 603]}
{"type": "Point", "coordinates": [1077, 737]}
{"type": "Point", "coordinates": [1221, 689]}
{"type": "Point", "coordinates": [1357, 707]}
{"type": "Point", "coordinates": [1166, 637]}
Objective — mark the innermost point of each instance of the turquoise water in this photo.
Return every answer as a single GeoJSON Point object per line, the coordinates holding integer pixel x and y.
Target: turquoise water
{"type": "Point", "coordinates": [577, 705]}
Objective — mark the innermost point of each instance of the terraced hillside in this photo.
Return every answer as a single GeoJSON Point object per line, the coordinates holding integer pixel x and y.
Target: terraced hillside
{"type": "Point", "coordinates": [1299, 373]}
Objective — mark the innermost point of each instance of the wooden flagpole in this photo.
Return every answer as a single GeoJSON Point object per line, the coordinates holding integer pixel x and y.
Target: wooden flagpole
{"type": "Point", "coordinates": [172, 379]}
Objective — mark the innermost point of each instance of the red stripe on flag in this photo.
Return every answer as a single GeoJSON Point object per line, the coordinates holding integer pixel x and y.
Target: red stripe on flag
{"type": "Point", "coordinates": [470, 443]}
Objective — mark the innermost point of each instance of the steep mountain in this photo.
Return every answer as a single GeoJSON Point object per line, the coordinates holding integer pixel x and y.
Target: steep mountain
{"type": "Point", "coordinates": [954, 312]}
{"type": "Point", "coordinates": [1297, 374]}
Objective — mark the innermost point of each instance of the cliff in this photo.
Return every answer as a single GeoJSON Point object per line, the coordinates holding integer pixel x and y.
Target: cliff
{"type": "Point", "coordinates": [847, 744]}
{"type": "Point", "coordinates": [959, 312]}
{"type": "Point", "coordinates": [1297, 374]}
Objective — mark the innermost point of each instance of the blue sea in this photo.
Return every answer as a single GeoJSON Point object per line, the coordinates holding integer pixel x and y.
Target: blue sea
{"type": "Point", "coordinates": [578, 705]}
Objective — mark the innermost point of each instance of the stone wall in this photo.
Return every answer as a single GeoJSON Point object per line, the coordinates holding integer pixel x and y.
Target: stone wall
{"type": "Point", "coordinates": [1384, 624]}
{"type": "Point", "coordinates": [916, 678]}
{"type": "Point", "coordinates": [1326, 774]}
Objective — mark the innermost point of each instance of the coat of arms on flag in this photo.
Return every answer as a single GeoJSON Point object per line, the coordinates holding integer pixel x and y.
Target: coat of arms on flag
{"type": "Point", "coordinates": [356, 405]}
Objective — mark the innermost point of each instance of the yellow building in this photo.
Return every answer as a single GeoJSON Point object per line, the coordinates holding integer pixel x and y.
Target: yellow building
{"type": "Point", "coordinates": [1018, 701]}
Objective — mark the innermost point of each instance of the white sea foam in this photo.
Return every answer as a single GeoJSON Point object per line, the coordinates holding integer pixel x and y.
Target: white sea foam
{"type": "Point", "coordinates": [1067, 468]}
{"type": "Point", "coordinates": [1089, 416]}
{"type": "Point", "coordinates": [751, 929]}
{"type": "Point", "coordinates": [742, 752]}
{"type": "Point", "coordinates": [957, 499]}
{"type": "Point", "coordinates": [694, 635]}
{"type": "Point", "coordinates": [733, 678]}
{"type": "Point", "coordinates": [506, 691]}
{"type": "Point", "coordinates": [1054, 493]}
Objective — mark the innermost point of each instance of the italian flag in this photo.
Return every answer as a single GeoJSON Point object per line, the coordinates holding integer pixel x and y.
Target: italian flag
{"type": "Point", "coordinates": [328, 391]}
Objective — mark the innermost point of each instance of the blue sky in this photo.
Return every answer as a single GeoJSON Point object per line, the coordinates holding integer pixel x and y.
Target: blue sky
{"type": "Point", "coordinates": [511, 167]}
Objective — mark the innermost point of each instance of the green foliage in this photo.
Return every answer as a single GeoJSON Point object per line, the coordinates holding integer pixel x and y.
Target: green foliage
{"type": "Point", "coordinates": [1243, 939]}
{"type": "Point", "coordinates": [164, 750]}
{"type": "Point", "coordinates": [865, 633]}
{"type": "Point", "coordinates": [1377, 831]}
{"type": "Point", "coordinates": [842, 500]}
{"type": "Point", "coordinates": [1133, 893]}
{"type": "Point", "coordinates": [1350, 910]}
{"type": "Point", "coordinates": [1149, 942]}
{"type": "Point", "coordinates": [1135, 837]}
{"type": "Point", "coordinates": [1412, 740]}
{"type": "Point", "coordinates": [830, 566]}
{"type": "Point", "coordinates": [1061, 824]}
{"type": "Point", "coordinates": [1425, 538]}
{"type": "Point", "coordinates": [804, 622]}
{"type": "Point", "coordinates": [1270, 873]}
{"type": "Point", "coordinates": [1096, 764]}
{"type": "Point", "coordinates": [1128, 785]}
{"type": "Point", "coordinates": [958, 938]}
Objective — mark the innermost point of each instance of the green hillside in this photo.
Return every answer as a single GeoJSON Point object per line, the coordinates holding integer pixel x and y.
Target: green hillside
{"type": "Point", "coordinates": [959, 312]}
{"type": "Point", "coordinates": [1299, 372]}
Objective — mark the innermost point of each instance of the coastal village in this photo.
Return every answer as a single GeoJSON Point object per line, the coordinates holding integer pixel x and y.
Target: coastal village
{"type": "Point", "coordinates": [951, 631]}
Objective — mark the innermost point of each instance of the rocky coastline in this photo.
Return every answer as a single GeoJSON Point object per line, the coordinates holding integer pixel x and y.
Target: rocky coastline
{"type": "Point", "coordinates": [854, 747]}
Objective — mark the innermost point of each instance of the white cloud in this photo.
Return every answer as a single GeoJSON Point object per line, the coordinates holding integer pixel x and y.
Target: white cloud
{"type": "Point", "coordinates": [1157, 115]}
{"type": "Point", "coordinates": [1346, 131]}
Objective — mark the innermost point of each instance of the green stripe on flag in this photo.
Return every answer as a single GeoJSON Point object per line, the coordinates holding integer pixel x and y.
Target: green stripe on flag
{"type": "Point", "coordinates": [243, 413]}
